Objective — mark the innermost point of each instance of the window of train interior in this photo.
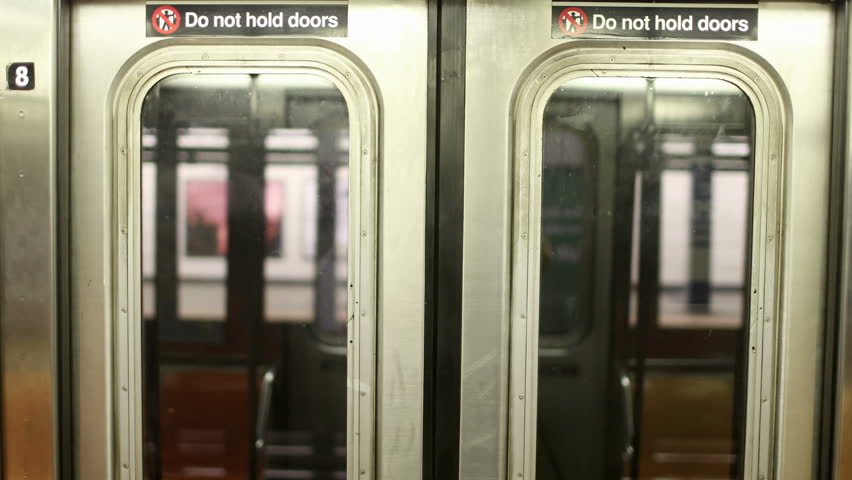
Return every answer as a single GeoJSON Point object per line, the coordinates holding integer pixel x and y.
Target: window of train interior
{"type": "Point", "coordinates": [245, 280]}
{"type": "Point", "coordinates": [647, 205]}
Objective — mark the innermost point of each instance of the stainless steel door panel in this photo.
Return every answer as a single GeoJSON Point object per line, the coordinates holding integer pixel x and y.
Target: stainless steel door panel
{"type": "Point", "coordinates": [106, 39]}
{"type": "Point", "coordinates": [31, 137]}
{"type": "Point", "coordinates": [504, 41]}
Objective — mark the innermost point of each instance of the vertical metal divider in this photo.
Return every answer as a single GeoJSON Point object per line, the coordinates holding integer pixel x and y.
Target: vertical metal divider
{"type": "Point", "coordinates": [30, 146]}
{"type": "Point", "coordinates": [837, 353]}
{"type": "Point", "coordinates": [622, 287]}
{"type": "Point", "coordinates": [447, 191]}
{"type": "Point", "coordinates": [65, 368]}
{"type": "Point", "coordinates": [430, 241]}
{"type": "Point", "coordinates": [649, 274]}
{"type": "Point", "coordinates": [649, 260]}
{"type": "Point", "coordinates": [325, 263]}
{"type": "Point", "coordinates": [246, 252]}
{"type": "Point", "coordinates": [166, 277]}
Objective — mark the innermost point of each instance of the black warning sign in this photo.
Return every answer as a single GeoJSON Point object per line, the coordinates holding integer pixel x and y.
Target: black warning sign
{"type": "Point", "coordinates": [238, 19]}
{"type": "Point", "coordinates": [596, 20]}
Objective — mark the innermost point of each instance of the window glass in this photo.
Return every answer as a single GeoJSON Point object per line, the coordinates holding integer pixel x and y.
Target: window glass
{"type": "Point", "coordinates": [646, 188]}
{"type": "Point", "coordinates": [245, 203]}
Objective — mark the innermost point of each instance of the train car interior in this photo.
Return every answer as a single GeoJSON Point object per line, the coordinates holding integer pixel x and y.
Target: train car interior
{"type": "Point", "coordinates": [655, 165]}
{"type": "Point", "coordinates": [207, 145]}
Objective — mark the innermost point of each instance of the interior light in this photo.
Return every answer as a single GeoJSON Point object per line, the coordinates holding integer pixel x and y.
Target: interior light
{"type": "Point", "coordinates": [298, 139]}
{"type": "Point", "coordinates": [149, 138]}
{"type": "Point", "coordinates": [678, 148]}
{"type": "Point", "coordinates": [731, 147]}
{"type": "Point", "coordinates": [203, 138]}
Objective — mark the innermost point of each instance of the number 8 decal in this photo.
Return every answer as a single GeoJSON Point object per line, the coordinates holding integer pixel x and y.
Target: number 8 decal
{"type": "Point", "coordinates": [22, 76]}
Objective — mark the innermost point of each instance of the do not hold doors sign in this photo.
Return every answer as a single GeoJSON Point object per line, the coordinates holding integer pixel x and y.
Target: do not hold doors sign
{"type": "Point", "coordinates": [219, 19]}
{"type": "Point", "coordinates": [660, 21]}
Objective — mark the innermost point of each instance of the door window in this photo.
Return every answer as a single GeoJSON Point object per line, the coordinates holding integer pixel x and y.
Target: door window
{"type": "Point", "coordinates": [245, 204]}
{"type": "Point", "coordinates": [646, 187]}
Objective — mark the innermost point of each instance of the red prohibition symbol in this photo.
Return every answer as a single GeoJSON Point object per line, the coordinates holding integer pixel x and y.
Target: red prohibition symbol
{"type": "Point", "coordinates": [573, 21]}
{"type": "Point", "coordinates": [166, 20]}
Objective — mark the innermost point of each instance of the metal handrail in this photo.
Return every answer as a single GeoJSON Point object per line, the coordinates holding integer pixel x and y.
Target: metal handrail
{"type": "Point", "coordinates": [264, 407]}
{"type": "Point", "coordinates": [629, 418]}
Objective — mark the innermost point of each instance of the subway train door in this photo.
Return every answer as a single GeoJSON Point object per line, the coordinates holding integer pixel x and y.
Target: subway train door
{"type": "Point", "coordinates": [645, 288]}
{"type": "Point", "coordinates": [247, 247]}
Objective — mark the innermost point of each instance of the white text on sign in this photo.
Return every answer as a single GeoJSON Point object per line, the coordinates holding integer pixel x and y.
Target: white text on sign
{"type": "Point", "coordinates": [270, 19]}
{"type": "Point", "coordinates": [681, 23]}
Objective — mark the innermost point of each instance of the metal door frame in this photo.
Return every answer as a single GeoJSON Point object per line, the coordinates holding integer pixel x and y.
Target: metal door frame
{"type": "Point", "coordinates": [400, 135]}
{"type": "Point", "coordinates": [140, 74]}
{"type": "Point", "coordinates": [499, 53]}
{"type": "Point", "coordinates": [763, 87]}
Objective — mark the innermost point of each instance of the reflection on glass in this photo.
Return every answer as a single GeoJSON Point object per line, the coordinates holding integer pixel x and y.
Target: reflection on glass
{"type": "Point", "coordinates": [207, 222]}
{"type": "Point", "coordinates": [565, 230]}
{"type": "Point", "coordinates": [245, 203]}
{"type": "Point", "coordinates": [646, 187]}
{"type": "Point", "coordinates": [206, 219]}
